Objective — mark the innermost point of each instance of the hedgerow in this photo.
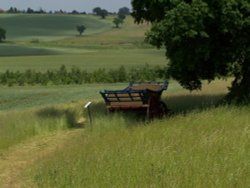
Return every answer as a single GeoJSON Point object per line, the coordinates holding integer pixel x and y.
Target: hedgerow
{"type": "Point", "coordinates": [75, 75]}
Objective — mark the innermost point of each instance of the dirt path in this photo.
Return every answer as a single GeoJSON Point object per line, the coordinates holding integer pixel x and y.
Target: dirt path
{"type": "Point", "coordinates": [18, 158]}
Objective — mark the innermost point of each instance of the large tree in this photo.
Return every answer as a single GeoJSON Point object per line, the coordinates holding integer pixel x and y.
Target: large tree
{"type": "Point", "coordinates": [204, 39]}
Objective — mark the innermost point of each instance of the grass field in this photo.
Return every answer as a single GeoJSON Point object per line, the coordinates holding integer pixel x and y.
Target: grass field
{"type": "Point", "coordinates": [110, 48]}
{"type": "Point", "coordinates": [49, 26]}
{"type": "Point", "coordinates": [200, 150]}
{"type": "Point", "coordinates": [86, 60]}
{"type": "Point", "coordinates": [203, 144]}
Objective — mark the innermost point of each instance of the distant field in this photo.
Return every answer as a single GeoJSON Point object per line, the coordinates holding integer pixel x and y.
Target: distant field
{"type": "Point", "coordinates": [84, 59]}
{"type": "Point", "coordinates": [8, 50]}
{"type": "Point", "coordinates": [49, 26]}
{"type": "Point", "coordinates": [18, 98]}
{"type": "Point", "coordinates": [100, 47]}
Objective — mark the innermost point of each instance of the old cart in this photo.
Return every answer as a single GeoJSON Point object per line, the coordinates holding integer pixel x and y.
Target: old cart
{"type": "Point", "coordinates": [138, 96]}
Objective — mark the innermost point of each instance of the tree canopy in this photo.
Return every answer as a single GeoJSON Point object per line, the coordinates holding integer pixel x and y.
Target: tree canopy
{"type": "Point", "coordinates": [100, 12]}
{"type": "Point", "coordinates": [204, 39]}
{"type": "Point", "coordinates": [81, 29]}
{"type": "Point", "coordinates": [124, 11]}
{"type": "Point", "coordinates": [2, 34]}
{"type": "Point", "coordinates": [117, 21]}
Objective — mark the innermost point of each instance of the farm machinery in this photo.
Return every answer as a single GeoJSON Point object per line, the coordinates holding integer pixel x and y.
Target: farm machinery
{"type": "Point", "coordinates": [138, 96]}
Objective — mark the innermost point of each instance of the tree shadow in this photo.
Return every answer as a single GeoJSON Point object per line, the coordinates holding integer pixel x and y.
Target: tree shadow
{"type": "Point", "coordinates": [52, 112]}
{"type": "Point", "coordinates": [184, 104]}
{"type": "Point", "coordinates": [98, 110]}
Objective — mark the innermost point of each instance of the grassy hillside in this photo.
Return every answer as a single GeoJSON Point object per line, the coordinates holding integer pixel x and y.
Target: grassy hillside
{"type": "Point", "coordinates": [49, 26]}
{"type": "Point", "coordinates": [10, 50]}
{"type": "Point", "coordinates": [102, 47]}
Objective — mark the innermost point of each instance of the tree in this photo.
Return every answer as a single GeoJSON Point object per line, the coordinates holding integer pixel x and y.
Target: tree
{"type": "Point", "coordinates": [12, 10]}
{"type": "Point", "coordinates": [204, 39]}
{"type": "Point", "coordinates": [30, 11]}
{"type": "Point", "coordinates": [121, 16]}
{"type": "Point", "coordinates": [81, 29]}
{"type": "Point", "coordinates": [2, 34]}
{"type": "Point", "coordinates": [97, 11]}
{"type": "Point", "coordinates": [103, 13]}
{"type": "Point", "coordinates": [100, 12]}
{"type": "Point", "coordinates": [117, 21]}
{"type": "Point", "coordinates": [124, 11]}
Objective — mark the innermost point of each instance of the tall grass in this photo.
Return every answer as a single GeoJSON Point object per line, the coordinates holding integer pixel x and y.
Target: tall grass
{"type": "Point", "coordinates": [201, 145]}
{"type": "Point", "coordinates": [204, 149]}
{"type": "Point", "coordinates": [29, 111]}
{"type": "Point", "coordinates": [17, 126]}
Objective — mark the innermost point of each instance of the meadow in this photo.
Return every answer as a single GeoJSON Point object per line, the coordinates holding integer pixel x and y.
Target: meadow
{"type": "Point", "coordinates": [203, 144]}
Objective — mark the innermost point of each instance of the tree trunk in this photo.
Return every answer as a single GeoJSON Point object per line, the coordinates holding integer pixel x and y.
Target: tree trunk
{"type": "Point", "coordinates": [240, 89]}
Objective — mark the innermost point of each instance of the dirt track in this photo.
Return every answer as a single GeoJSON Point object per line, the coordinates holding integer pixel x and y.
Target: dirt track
{"type": "Point", "coordinates": [18, 158]}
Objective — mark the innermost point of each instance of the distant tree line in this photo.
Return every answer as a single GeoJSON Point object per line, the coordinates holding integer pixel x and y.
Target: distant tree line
{"type": "Point", "coordinates": [14, 10]}
{"type": "Point", "coordinates": [63, 76]}
{"type": "Point", "coordinates": [97, 11]}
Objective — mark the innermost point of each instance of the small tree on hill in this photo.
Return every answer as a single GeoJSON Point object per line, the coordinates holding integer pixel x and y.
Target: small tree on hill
{"type": "Point", "coordinates": [81, 29]}
{"type": "Point", "coordinates": [104, 13]}
{"type": "Point", "coordinates": [2, 34]}
{"type": "Point", "coordinates": [117, 21]}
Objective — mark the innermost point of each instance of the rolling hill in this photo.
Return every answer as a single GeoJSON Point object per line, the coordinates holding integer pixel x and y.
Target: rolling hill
{"type": "Point", "coordinates": [49, 26]}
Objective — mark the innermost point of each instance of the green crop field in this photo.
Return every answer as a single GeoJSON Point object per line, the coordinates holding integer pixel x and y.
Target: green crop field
{"type": "Point", "coordinates": [42, 144]}
{"type": "Point", "coordinates": [100, 47]}
{"type": "Point", "coordinates": [49, 27]}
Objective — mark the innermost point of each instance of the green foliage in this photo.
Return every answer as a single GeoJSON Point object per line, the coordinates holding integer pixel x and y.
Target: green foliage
{"type": "Point", "coordinates": [97, 10]}
{"type": "Point", "coordinates": [104, 13]}
{"type": "Point", "coordinates": [124, 11]}
{"type": "Point", "coordinates": [77, 76]}
{"type": "Point", "coordinates": [2, 34]}
{"type": "Point", "coordinates": [81, 29]}
{"type": "Point", "coordinates": [100, 12]}
{"type": "Point", "coordinates": [204, 39]}
{"type": "Point", "coordinates": [117, 21]}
